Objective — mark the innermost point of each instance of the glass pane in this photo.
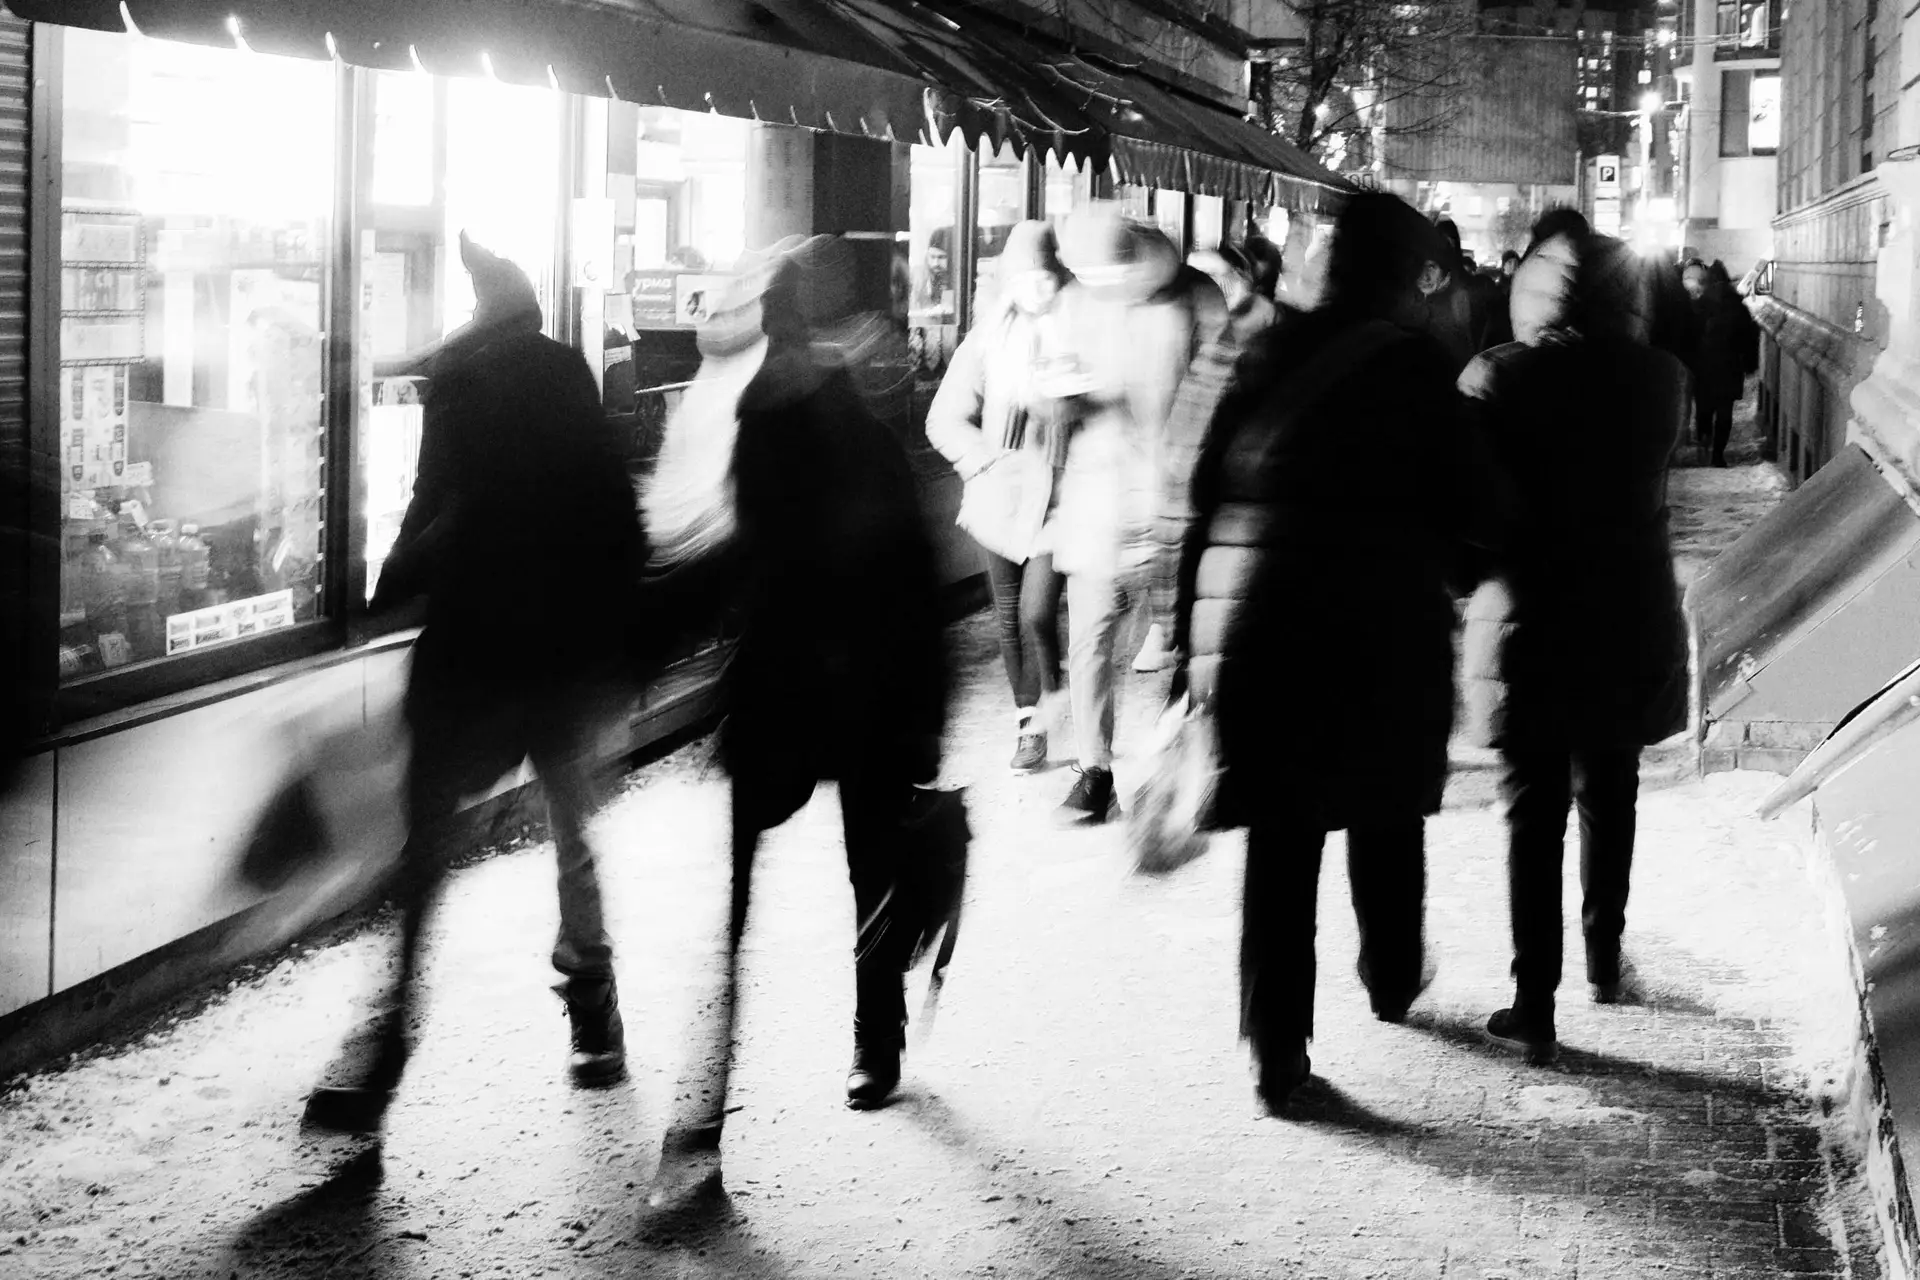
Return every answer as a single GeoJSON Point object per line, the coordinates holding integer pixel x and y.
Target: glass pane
{"type": "Point", "coordinates": [449, 155]}
{"type": "Point", "coordinates": [1003, 202]}
{"type": "Point", "coordinates": [1068, 188]}
{"type": "Point", "coordinates": [931, 316]}
{"type": "Point", "coordinates": [196, 189]}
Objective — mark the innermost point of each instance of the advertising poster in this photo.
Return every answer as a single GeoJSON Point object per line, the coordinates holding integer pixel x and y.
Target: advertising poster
{"type": "Point", "coordinates": [653, 299]}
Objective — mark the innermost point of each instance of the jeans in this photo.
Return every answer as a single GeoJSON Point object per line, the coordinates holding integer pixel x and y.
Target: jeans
{"type": "Point", "coordinates": [1096, 602]}
{"type": "Point", "coordinates": [1537, 784]}
{"type": "Point", "coordinates": [1387, 871]}
{"type": "Point", "coordinates": [462, 745]}
{"type": "Point", "coordinates": [1026, 609]}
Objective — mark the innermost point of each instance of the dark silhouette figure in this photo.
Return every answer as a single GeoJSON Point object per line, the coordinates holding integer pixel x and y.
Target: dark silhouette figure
{"type": "Point", "coordinates": [1575, 653]}
{"type": "Point", "coordinates": [1727, 350]}
{"type": "Point", "coordinates": [840, 674]}
{"type": "Point", "coordinates": [1330, 488]}
{"type": "Point", "coordinates": [521, 512]}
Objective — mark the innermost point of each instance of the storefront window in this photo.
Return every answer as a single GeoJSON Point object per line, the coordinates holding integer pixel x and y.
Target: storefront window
{"type": "Point", "coordinates": [196, 186]}
{"type": "Point", "coordinates": [450, 155]}
{"type": "Point", "coordinates": [1209, 222]}
{"type": "Point", "coordinates": [1003, 200]}
{"type": "Point", "coordinates": [1068, 188]}
{"type": "Point", "coordinates": [1170, 215]}
{"type": "Point", "coordinates": [932, 258]}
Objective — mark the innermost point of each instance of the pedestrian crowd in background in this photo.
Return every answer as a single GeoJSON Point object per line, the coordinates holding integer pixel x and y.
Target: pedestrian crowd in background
{"type": "Point", "coordinates": [1307, 493]}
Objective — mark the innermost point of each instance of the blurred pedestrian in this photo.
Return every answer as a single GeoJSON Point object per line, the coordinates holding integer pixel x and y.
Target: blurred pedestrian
{"type": "Point", "coordinates": [1499, 329]}
{"type": "Point", "coordinates": [1575, 653]}
{"type": "Point", "coordinates": [1314, 609]}
{"type": "Point", "coordinates": [1133, 320]}
{"type": "Point", "coordinates": [1249, 310]}
{"type": "Point", "coordinates": [1459, 300]}
{"type": "Point", "coordinates": [1719, 360]}
{"type": "Point", "coordinates": [522, 502]}
{"type": "Point", "coordinates": [1006, 439]}
{"type": "Point", "coordinates": [840, 672]}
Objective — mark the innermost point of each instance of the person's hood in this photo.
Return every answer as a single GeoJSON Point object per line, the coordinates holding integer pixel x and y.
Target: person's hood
{"type": "Point", "coordinates": [1114, 257]}
{"type": "Point", "coordinates": [504, 304]}
{"type": "Point", "coordinates": [1543, 297]}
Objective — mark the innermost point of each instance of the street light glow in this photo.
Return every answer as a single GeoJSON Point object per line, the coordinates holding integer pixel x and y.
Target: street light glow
{"type": "Point", "coordinates": [1650, 103]}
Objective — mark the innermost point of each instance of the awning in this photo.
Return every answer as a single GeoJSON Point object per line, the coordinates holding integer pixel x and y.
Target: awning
{"type": "Point", "coordinates": [873, 68]}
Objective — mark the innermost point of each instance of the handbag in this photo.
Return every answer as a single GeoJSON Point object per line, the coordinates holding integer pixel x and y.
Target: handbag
{"type": "Point", "coordinates": [1174, 812]}
{"type": "Point", "coordinates": [1005, 504]}
{"type": "Point", "coordinates": [920, 914]}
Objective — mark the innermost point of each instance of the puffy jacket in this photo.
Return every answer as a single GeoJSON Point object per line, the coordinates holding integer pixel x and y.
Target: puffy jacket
{"type": "Point", "coordinates": [1577, 634]}
{"type": "Point", "coordinates": [1313, 601]}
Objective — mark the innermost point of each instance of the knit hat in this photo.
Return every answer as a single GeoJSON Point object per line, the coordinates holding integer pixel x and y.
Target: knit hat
{"type": "Point", "coordinates": [1032, 246]}
{"type": "Point", "coordinates": [500, 288]}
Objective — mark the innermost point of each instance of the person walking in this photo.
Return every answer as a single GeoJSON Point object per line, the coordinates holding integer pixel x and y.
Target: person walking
{"type": "Point", "coordinates": [840, 672]}
{"type": "Point", "coordinates": [1313, 604]}
{"type": "Point", "coordinates": [1575, 654]}
{"type": "Point", "coordinates": [521, 490]}
{"type": "Point", "coordinates": [1007, 439]}
{"type": "Point", "coordinates": [1133, 319]}
{"type": "Point", "coordinates": [1718, 365]}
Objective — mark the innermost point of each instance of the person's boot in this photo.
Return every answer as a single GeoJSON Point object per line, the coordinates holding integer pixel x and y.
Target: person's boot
{"type": "Point", "coordinates": [374, 1058]}
{"type": "Point", "coordinates": [1278, 1073]}
{"type": "Point", "coordinates": [599, 1053]}
{"type": "Point", "coordinates": [875, 1074]}
{"type": "Point", "coordinates": [1527, 1030]}
{"type": "Point", "coordinates": [1091, 801]}
{"type": "Point", "coordinates": [1393, 1006]}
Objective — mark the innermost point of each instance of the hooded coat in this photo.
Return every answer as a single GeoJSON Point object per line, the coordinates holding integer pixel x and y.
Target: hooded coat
{"type": "Point", "coordinates": [1576, 635]}
{"type": "Point", "coordinates": [522, 530]}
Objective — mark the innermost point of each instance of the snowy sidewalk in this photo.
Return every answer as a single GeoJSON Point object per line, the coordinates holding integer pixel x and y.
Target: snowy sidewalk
{"type": "Point", "coordinates": [1083, 1108]}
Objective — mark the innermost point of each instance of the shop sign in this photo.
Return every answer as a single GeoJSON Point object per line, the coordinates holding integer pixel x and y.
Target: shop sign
{"type": "Point", "coordinates": [234, 620]}
{"type": "Point", "coordinates": [1606, 176]}
{"type": "Point", "coordinates": [653, 299]}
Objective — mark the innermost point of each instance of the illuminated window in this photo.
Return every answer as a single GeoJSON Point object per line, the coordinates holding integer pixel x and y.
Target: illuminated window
{"type": "Point", "coordinates": [196, 189]}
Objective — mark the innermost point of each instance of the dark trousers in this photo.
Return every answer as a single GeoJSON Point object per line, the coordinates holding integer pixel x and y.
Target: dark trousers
{"type": "Point", "coordinates": [1387, 869]}
{"type": "Point", "coordinates": [1026, 610]}
{"type": "Point", "coordinates": [1537, 783]}
{"type": "Point", "coordinates": [1713, 426]}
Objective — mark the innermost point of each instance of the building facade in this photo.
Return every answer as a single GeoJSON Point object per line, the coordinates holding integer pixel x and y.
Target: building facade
{"type": "Point", "coordinates": [1732, 120]}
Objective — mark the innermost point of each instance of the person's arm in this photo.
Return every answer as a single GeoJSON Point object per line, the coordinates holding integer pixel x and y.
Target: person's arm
{"type": "Point", "coordinates": [953, 419]}
{"type": "Point", "coordinates": [1478, 479]}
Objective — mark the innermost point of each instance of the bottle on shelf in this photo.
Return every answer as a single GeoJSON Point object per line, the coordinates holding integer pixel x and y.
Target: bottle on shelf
{"type": "Point", "coordinates": [104, 591]}
{"type": "Point", "coordinates": [165, 536]}
{"type": "Point", "coordinates": [140, 563]}
{"type": "Point", "coordinates": [195, 561]}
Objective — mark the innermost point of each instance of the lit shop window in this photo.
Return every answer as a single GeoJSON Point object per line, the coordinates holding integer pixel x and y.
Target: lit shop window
{"type": "Point", "coordinates": [1209, 222]}
{"type": "Point", "coordinates": [1003, 196]}
{"type": "Point", "coordinates": [932, 261]}
{"type": "Point", "coordinates": [450, 155]}
{"type": "Point", "coordinates": [1069, 187]}
{"type": "Point", "coordinates": [196, 185]}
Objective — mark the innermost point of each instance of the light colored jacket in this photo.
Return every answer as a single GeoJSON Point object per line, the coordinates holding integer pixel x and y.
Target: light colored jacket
{"type": "Point", "coordinates": [1137, 343]}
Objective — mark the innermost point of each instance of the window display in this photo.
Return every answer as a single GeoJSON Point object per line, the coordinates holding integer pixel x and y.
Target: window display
{"type": "Point", "coordinates": [933, 315]}
{"type": "Point", "coordinates": [196, 186]}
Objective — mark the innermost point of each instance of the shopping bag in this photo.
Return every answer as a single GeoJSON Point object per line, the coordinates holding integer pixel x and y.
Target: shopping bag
{"type": "Point", "coordinates": [1173, 813]}
{"type": "Point", "coordinates": [920, 915]}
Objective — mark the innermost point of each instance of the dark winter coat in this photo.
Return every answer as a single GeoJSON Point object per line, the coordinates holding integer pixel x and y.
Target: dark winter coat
{"type": "Point", "coordinates": [841, 664]}
{"type": "Point", "coordinates": [1312, 596]}
{"type": "Point", "coordinates": [1724, 332]}
{"type": "Point", "coordinates": [522, 530]}
{"type": "Point", "coordinates": [1577, 636]}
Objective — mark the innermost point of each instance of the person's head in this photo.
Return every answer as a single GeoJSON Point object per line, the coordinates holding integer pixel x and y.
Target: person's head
{"type": "Point", "coordinates": [1695, 277]}
{"type": "Point", "coordinates": [1718, 276]}
{"type": "Point", "coordinates": [1509, 263]}
{"type": "Point", "coordinates": [939, 252]}
{"type": "Point", "coordinates": [1265, 262]}
{"type": "Point", "coordinates": [1384, 258]}
{"type": "Point", "coordinates": [1544, 284]}
{"type": "Point", "coordinates": [1561, 220]}
{"type": "Point", "coordinates": [1227, 267]}
{"type": "Point", "coordinates": [1030, 266]}
{"type": "Point", "coordinates": [501, 290]}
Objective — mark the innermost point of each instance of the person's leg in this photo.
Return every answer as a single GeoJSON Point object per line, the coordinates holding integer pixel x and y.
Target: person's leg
{"type": "Point", "coordinates": [1536, 784]}
{"type": "Point", "coordinates": [1278, 913]}
{"type": "Point", "coordinates": [1006, 579]}
{"type": "Point", "coordinates": [1387, 873]}
{"type": "Point", "coordinates": [1702, 423]}
{"type": "Point", "coordinates": [873, 808]}
{"type": "Point", "coordinates": [582, 951]}
{"type": "Point", "coordinates": [689, 1177]}
{"type": "Point", "coordinates": [1606, 784]}
{"type": "Point", "coordinates": [1093, 617]}
{"type": "Point", "coordinates": [1040, 592]}
{"type": "Point", "coordinates": [1722, 431]}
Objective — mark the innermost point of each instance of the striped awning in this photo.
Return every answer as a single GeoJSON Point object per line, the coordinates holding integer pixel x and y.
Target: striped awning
{"type": "Point", "coordinates": [905, 71]}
